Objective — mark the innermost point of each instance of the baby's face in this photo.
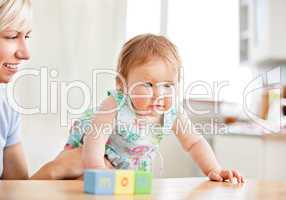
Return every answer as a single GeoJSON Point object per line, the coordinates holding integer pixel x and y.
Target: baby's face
{"type": "Point", "coordinates": [152, 87]}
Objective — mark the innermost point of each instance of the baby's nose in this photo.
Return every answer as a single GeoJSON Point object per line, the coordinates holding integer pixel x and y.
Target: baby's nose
{"type": "Point", "coordinates": [157, 95]}
{"type": "Point", "coordinates": [157, 92]}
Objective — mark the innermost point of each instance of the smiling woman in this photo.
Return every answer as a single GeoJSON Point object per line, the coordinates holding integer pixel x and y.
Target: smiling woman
{"type": "Point", "coordinates": [15, 26]}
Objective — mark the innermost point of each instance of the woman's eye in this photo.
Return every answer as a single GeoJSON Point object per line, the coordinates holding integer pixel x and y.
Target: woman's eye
{"type": "Point", "coordinates": [27, 36]}
{"type": "Point", "coordinates": [11, 37]}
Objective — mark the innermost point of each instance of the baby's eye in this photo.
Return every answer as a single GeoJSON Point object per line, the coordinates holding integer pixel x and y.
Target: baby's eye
{"type": "Point", "coordinates": [148, 84]}
{"type": "Point", "coordinates": [168, 85]}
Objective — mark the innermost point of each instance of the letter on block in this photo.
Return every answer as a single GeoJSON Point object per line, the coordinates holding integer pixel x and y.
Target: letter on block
{"type": "Point", "coordinates": [124, 182]}
{"type": "Point", "coordinates": [99, 181]}
{"type": "Point", "coordinates": [143, 182]}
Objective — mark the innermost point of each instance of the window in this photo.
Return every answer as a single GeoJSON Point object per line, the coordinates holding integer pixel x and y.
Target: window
{"type": "Point", "coordinates": [143, 17]}
{"type": "Point", "coordinates": [206, 34]}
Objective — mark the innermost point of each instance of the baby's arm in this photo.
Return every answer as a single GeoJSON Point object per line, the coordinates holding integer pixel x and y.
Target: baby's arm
{"type": "Point", "coordinates": [94, 141]}
{"type": "Point", "coordinates": [201, 151]}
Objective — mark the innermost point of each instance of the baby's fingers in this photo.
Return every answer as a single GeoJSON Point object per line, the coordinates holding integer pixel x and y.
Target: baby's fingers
{"type": "Point", "coordinates": [214, 176]}
{"type": "Point", "coordinates": [238, 177]}
{"type": "Point", "coordinates": [226, 175]}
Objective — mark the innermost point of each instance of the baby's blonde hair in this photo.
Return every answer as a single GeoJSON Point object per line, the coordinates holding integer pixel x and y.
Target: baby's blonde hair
{"type": "Point", "coordinates": [15, 14]}
{"type": "Point", "coordinates": [143, 48]}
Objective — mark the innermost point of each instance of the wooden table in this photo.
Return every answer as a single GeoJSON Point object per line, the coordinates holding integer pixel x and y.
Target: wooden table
{"type": "Point", "coordinates": [178, 188]}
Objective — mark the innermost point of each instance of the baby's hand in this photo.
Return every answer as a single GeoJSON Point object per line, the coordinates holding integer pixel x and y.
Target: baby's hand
{"type": "Point", "coordinates": [224, 175]}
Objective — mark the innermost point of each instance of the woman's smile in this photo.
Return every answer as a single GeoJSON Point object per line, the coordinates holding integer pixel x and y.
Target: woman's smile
{"type": "Point", "coordinates": [10, 67]}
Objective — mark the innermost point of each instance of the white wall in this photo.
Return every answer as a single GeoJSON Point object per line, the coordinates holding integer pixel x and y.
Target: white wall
{"type": "Point", "coordinates": [72, 37]}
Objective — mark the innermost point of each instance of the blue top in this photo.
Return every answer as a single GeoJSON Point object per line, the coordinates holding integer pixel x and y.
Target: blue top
{"type": "Point", "coordinates": [9, 125]}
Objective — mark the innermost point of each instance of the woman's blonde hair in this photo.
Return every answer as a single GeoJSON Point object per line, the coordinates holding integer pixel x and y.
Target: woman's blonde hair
{"type": "Point", "coordinates": [143, 48]}
{"type": "Point", "coordinates": [15, 14]}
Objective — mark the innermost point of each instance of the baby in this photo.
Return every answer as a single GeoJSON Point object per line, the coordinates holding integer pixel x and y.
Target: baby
{"type": "Point", "coordinates": [127, 128]}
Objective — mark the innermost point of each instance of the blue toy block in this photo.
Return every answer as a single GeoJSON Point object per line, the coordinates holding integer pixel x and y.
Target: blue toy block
{"type": "Point", "coordinates": [99, 181]}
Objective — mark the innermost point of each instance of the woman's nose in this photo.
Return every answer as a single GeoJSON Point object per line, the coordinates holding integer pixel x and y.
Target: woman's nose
{"type": "Point", "coordinates": [23, 51]}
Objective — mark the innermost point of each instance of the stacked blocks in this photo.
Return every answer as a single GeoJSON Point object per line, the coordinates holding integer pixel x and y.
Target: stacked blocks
{"type": "Point", "coordinates": [107, 182]}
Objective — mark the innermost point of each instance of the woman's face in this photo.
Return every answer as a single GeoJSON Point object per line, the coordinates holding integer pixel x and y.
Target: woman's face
{"type": "Point", "coordinates": [13, 51]}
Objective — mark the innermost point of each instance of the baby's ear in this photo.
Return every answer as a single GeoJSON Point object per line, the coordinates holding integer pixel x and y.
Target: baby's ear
{"type": "Point", "coordinates": [120, 84]}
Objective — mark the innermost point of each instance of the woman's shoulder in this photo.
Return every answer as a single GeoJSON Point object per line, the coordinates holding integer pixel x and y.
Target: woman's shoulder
{"type": "Point", "coordinates": [9, 118]}
{"type": "Point", "coordinates": [3, 93]}
{"type": "Point", "coordinates": [5, 106]}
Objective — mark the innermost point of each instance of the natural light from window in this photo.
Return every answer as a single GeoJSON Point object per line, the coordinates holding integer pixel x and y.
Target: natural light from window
{"type": "Point", "coordinates": [143, 17]}
{"type": "Point", "coordinates": [207, 36]}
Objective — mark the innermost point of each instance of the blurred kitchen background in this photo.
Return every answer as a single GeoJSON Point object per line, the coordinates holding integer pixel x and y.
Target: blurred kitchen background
{"type": "Point", "coordinates": [240, 44]}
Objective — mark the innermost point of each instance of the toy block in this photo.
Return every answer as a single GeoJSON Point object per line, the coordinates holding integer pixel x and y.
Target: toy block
{"type": "Point", "coordinates": [124, 182]}
{"type": "Point", "coordinates": [117, 182]}
{"type": "Point", "coordinates": [99, 181]}
{"type": "Point", "coordinates": [143, 182]}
